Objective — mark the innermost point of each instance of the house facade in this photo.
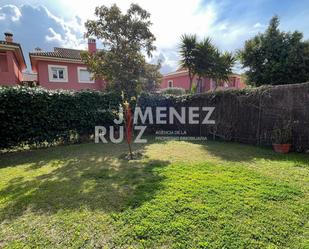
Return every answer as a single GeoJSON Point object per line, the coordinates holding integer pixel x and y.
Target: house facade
{"type": "Point", "coordinates": [180, 78]}
{"type": "Point", "coordinates": [63, 68]}
{"type": "Point", "coordinates": [12, 61]}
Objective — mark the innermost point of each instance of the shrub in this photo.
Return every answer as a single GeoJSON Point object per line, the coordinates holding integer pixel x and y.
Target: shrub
{"type": "Point", "coordinates": [174, 91]}
{"type": "Point", "coordinates": [282, 134]}
{"type": "Point", "coordinates": [35, 116]}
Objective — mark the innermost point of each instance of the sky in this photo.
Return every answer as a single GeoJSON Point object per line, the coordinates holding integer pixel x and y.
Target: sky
{"type": "Point", "coordinates": [229, 23]}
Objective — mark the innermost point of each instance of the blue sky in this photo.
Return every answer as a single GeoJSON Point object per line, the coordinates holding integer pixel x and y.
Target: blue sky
{"type": "Point", "coordinates": [229, 23]}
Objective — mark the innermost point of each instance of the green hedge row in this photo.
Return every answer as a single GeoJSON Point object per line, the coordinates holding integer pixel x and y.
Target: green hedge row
{"type": "Point", "coordinates": [35, 116]}
{"type": "Point", "coordinates": [177, 91]}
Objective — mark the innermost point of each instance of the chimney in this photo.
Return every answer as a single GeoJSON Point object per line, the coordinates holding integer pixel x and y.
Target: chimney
{"type": "Point", "coordinates": [8, 37]}
{"type": "Point", "coordinates": [92, 46]}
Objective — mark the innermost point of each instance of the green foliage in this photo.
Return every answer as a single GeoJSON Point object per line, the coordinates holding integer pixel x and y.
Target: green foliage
{"type": "Point", "coordinates": [203, 59]}
{"type": "Point", "coordinates": [177, 91]}
{"type": "Point", "coordinates": [188, 47]}
{"type": "Point", "coordinates": [275, 57]}
{"type": "Point", "coordinates": [211, 63]}
{"type": "Point", "coordinates": [193, 89]}
{"type": "Point", "coordinates": [125, 37]}
{"type": "Point", "coordinates": [153, 100]}
{"type": "Point", "coordinates": [223, 67]}
{"type": "Point", "coordinates": [282, 134]}
{"type": "Point", "coordinates": [34, 116]}
{"type": "Point", "coordinates": [168, 98]}
{"type": "Point", "coordinates": [151, 79]}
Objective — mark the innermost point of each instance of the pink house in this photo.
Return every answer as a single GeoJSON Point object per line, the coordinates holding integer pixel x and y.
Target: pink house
{"type": "Point", "coordinates": [180, 78]}
{"type": "Point", "coordinates": [12, 61]}
{"type": "Point", "coordinates": [63, 68]}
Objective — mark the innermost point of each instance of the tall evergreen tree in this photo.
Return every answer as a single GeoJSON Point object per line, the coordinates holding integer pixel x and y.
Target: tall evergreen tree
{"type": "Point", "coordinates": [275, 57]}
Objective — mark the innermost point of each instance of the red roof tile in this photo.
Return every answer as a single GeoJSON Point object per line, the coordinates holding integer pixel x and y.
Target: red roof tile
{"type": "Point", "coordinates": [64, 53]}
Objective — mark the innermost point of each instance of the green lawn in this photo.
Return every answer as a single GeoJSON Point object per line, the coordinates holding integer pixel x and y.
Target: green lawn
{"type": "Point", "coordinates": [180, 195]}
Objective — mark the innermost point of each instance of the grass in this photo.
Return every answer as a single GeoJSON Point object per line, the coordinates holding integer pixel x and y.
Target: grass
{"type": "Point", "coordinates": [180, 195]}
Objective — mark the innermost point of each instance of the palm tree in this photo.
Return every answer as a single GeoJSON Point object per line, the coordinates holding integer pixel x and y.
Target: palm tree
{"type": "Point", "coordinates": [205, 59]}
{"type": "Point", "coordinates": [187, 55]}
{"type": "Point", "coordinates": [223, 67]}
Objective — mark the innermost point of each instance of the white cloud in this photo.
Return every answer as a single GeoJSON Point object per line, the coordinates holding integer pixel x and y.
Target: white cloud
{"type": "Point", "coordinates": [259, 25]}
{"type": "Point", "coordinates": [170, 20]}
{"type": "Point", "coordinates": [10, 11]}
{"type": "Point", "coordinates": [72, 32]}
{"type": "Point", "coordinates": [228, 23]}
{"type": "Point", "coordinates": [17, 15]}
{"type": "Point", "coordinates": [54, 36]}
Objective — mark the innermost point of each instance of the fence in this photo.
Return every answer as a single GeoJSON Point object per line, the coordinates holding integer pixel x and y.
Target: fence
{"type": "Point", "coordinates": [247, 116]}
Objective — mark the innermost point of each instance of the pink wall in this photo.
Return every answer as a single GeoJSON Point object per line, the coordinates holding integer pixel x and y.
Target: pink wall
{"type": "Point", "coordinates": [17, 70]}
{"type": "Point", "coordinates": [178, 81]}
{"type": "Point", "coordinates": [3, 63]}
{"type": "Point", "coordinates": [181, 79]}
{"type": "Point", "coordinates": [72, 84]}
{"type": "Point", "coordinates": [10, 72]}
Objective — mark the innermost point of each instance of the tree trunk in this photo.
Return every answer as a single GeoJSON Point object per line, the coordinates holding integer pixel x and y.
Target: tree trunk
{"type": "Point", "coordinates": [198, 84]}
{"type": "Point", "coordinates": [130, 151]}
{"type": "Point", "coordinates": [191, 80]}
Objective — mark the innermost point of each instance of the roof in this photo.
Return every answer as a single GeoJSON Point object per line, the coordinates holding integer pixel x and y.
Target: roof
{"type": "Point", "coordinates": [18, 51]}
{"type": "Point", "coordinates": [178, 72]}
{"type": "Point", "coordinates": [183, 72]}
{"type": "Point", "coordinates": [59, 54]}
{"type": "Point", "coordinates": [64, 53]}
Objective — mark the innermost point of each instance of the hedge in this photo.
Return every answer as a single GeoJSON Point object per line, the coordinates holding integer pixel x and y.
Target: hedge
{"type": "Point", "coordinates": [37, 116]}
{"type": "Point", "coordinates": [177, 91]}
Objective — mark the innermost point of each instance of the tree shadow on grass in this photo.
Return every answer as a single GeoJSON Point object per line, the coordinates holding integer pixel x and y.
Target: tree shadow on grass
{"type": "Point", "coordinates": [237, 152]}
{"type": "Point", "coordinates": [40, 157]}
{"type": "Point", "coordinates": [83, 179]}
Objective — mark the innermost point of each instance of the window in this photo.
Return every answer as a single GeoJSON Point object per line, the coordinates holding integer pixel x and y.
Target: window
{"type": "Point", "coordinates": [58, 73]}
{"type": "Point", "coordinates": [84, 76]}
{"type": "Point", "coordinates": [170, 83]}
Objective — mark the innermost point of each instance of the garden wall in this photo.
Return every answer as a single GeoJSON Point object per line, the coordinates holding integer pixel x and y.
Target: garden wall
{"type": "Point", "coordinates": [247, 116]}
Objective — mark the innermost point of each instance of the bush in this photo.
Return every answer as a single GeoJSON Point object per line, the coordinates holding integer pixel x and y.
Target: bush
{"type": "Point", "coordinates": [174, 91]}
{"type": "Point", "coordinates": [35, 116]}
